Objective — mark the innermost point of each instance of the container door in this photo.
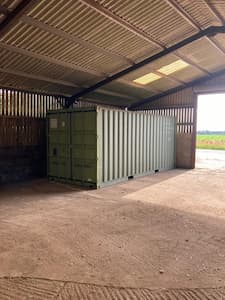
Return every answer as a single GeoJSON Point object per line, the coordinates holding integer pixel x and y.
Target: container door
{"type": "Point", "coordinates": [84, 146]}
{"type": "Point", "coordinates": [58, 146]}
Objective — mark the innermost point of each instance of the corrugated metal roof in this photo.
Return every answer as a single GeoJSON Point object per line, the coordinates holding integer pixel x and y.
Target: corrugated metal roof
{"type": "Point", "coordinates": [200, 12]}
{"type": "Point", "coordinates": [79, 20]}
{"type": "Point", "coordinates": [219, 6]}
{"type": "Point", "coordinates": [21, 83]}
{"type": "Point", "coordinates": [205, 54]}
{"type": "Point", "coordinates": [9, 4]}
{"type": "Point", "coordinates": [69, 45]}
{"type": "Point", "coordinates": [37, 41]}
{"type": "Point", "coordinates": [131, 91]}
{"type": "Point", "coordinates": [23, 63]}
{"type": "Point", "coordinates": [220, 38]}
{"type": "Point", "coordinates": [186, 74]}
{"type": "Point", "coordinates": [139, 13]}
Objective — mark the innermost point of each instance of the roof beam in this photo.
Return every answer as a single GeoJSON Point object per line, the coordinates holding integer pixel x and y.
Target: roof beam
{"type": "Point", "coordinates": [179, 9]}
{"type": "Point", "coordinates": [209, 31]}
{"type": "Point", "coordinates": [13, 16]}
{"type": "Point", "coordinates": [193, 83]}
{"type": "Point", "coordinates": [68, 37]}
{"type": "Point", "coordinates": [49, 59]}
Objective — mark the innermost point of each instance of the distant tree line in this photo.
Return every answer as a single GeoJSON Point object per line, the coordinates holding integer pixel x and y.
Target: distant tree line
{"type": "Point", "coordinates": [211, 132]}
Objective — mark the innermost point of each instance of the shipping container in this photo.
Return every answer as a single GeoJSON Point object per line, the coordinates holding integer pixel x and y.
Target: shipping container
{"type": "Point", "coordinates": [98, 146]}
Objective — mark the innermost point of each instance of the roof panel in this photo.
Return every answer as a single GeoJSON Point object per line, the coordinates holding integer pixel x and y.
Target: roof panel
{"type": "Point", "coordinates": [164, 84]}
{"type": "Point", "coordinates": [204, 19]}
{"type": "Point", "coordinates": [22, 83]}
{"type": "Point", "coordinates": [154, 66]}
{"type": "Point", "coordinates": [219, 6]}
{"type": "Point", "coordinates": [22, 63]}
{"type": "Point", "coordinates": [166, 24]}
{"type": "Point", "coordinates": [157, 85]}
{"type": "Point", "coordinates": [205, 55]}
{"type": "Point", "coordinates": [35, 40]}
{"type": "Point", "coordinates": [79, 20]}
{"type": "Point", "coordinates": [188, 74]}
{"type": "Point", "coordinates": [56, 88]}
{"type": "Point", "coordinates": [80, 78]}
{"type": "Point", "coordinates": [220, 38]}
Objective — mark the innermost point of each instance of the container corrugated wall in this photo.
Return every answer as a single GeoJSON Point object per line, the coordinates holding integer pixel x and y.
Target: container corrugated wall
{"type": "Point", "coordinates": [134, 144]}
{"type": "Point", "coordinates": [107, 146]}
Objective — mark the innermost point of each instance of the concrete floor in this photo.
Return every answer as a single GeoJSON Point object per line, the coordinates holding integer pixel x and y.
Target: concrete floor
{"type": "Point", "coordinates": [210, 159]}
{"type": "Point", "coordinates": [150, 238]}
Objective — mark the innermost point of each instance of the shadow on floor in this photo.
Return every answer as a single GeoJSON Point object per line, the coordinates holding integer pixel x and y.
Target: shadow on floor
{"type": "Point", "coordinates": [45, 186]}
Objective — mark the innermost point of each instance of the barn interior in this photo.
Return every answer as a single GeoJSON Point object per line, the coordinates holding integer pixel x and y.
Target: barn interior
{"type": "Point", "coordinates": [155, 237]}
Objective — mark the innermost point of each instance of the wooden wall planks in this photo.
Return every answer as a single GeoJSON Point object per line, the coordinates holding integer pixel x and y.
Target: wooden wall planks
{"type": "Point", "coordinates": [21, 131]}
{"type": "Point", "coordinates": [20, 103]}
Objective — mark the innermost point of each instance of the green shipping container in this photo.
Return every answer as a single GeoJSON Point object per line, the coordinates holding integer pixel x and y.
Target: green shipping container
{"type": "Point", "coordinates": [99, 146]}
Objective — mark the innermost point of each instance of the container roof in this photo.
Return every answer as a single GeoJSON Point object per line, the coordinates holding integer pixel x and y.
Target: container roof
{"type": "Point", "coordinates": [63, 47]}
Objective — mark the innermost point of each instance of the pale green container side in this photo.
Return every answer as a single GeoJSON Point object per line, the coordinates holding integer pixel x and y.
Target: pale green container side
{"type": "Point", "coordinates": [100, 146]}
{"type": "Point", "coordinates": [135, 144]}
{"type": "Point", "coordinates": [84, 146]}
{"type": "Point", "coordinates": [58, 146]}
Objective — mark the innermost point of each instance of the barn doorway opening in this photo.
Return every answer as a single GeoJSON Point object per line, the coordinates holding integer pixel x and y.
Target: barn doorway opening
{"type": "Point", "coordinates": [210, 139]}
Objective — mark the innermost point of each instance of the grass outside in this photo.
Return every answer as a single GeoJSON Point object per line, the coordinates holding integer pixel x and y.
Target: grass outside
{"type": "Point", "coordinates": [210, 141]}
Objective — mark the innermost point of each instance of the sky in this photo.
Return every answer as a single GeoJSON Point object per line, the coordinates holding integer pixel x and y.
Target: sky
{"type": "Point", "coordinates": [211, 112]}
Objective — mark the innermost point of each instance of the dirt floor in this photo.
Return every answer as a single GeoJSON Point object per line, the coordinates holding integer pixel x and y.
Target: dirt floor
{"type": "Point", "coordinates": [156, 237]}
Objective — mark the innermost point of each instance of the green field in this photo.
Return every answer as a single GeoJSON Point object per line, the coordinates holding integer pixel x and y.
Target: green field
{"type": "Point", "coordinates": [205, 141]}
